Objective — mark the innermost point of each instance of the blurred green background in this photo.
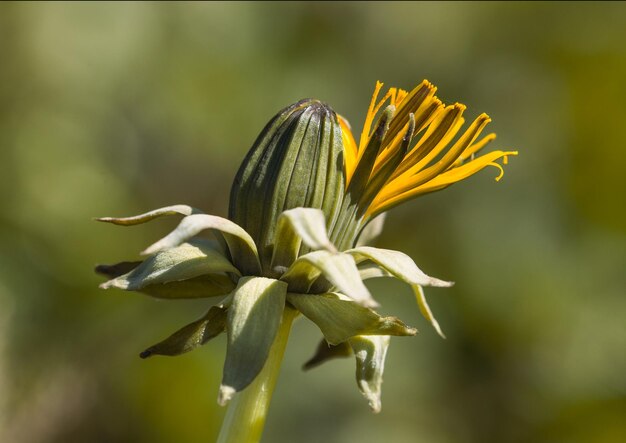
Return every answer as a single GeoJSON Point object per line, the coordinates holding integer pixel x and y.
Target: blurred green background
{"type": "Point", "coordinates": [115, 109]}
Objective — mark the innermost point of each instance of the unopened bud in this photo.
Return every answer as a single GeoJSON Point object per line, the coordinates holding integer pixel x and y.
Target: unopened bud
{"type": "Point", "coordinates": [296, 161]}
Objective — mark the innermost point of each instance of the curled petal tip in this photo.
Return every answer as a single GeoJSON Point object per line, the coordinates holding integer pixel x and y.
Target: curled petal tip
{"type": "Point", "coordinates": [438, 329]}
{"type": "Point", "coordinates": [150, 249]}
{"type": "Point", "coordinates": [147, 353]}
{"type": "Point", "coordinates": [372, 397]}
{"type": "Point", "coordinates": [225, 395]}
{"type": "Point", "coordinates": [371, 303]}
{"type": "Point", "coordinates": [460, 106]}
{"type": "Point", "coordinates": [435, 282]}
{"type": "Point", "coordinates": [115, 283]}
{"type": "Point", "coordinates": [104, 219]}
{"type": "Point", "coordinates": [375, 405]}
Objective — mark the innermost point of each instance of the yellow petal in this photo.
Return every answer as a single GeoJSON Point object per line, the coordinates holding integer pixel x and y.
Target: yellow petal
{"type": "Point", "coordinates": [369, 118]}
{"type": "Point", "coordinates": [350, 149]}
{"type": "Point", "coordinates": [442, 180]}
{"type": "Point", "coordinates": [474, 148]}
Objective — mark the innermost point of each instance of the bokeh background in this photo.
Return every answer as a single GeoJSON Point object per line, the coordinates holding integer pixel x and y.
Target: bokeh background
{"type": "Point", "coordinates": [115, 109]}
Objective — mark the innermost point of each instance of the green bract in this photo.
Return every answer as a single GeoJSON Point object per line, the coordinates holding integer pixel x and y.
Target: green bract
{"type": "Point", "coordinates": [275, 253]}
{"type": "Point", "coordinates": [324, 285]}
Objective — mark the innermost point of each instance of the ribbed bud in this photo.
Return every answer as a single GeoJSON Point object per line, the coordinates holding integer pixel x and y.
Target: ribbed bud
{"type": "Point", "coordinates": [296, 161]}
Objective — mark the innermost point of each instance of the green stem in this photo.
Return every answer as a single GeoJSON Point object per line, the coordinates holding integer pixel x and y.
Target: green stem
{"type": "Point", "coordinates": [246, 413]}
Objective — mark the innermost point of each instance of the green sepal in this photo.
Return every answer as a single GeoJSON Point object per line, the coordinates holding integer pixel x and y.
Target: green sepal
{"type": "Point", "coordinates": [398, 264]}
{"type": "Point", "coordinates": [254, 317]}
{"type": "Point", "coordinates": [425, 309]}
{"type": "Point", "coordinates": [210, 285]}
{"type": "Point", "coordinates": [151, 215]}
{"type": "Point", "coordinates": [340, 318]}
{"type": "Point", "coordinates": [325, 352]}
{"type": "Point", "coordinates": [411, 102]}
{"type": "Point", "coordinates": [401, 266]}
{"type": "Point", "coordinates": [241, 246]}
{"type": "Point", "coordinates": [339, 269]}
{"type": "Point", "coordinates": [191, 336]}
{"type": "Point", "coordinates": [363, 170]}
{"type": "Point", "coordinates": [379, 178]}
{"type": "Point", "coordinates": [189, 260]}
{"type": "Point", "coordinates": [297, 226]}
{"type": "Point", "coordinates": [344, 232]}
{"type": "Point", "coordinates": [370, 353]}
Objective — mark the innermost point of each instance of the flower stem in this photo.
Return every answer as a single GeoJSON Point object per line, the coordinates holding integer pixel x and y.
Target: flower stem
{"type": "Point", "coordinates": [246, 413]}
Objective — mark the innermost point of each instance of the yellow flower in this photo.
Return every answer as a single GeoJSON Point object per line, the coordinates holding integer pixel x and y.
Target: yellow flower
{"type": "Point", "coordinates": [419, 146]}
{"type": "Point", "coordinates": [295, 240]}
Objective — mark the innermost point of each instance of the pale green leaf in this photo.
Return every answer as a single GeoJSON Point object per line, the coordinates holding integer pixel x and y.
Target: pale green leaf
{"type": "Point", "coordinates": [309, 224]}
{"type": "Point", "coordinates": [241, 245]}
{"type": "Point", "coordinates": [340, 318]}
{"type": "Point", "coordinates": [296, 226]}
{"type": "Point", "coordinates": [370, 353]}
{"type": "Point", "coordinates": [151, 215]}
{"type": "Point", "coordinates": [210, 285]}
{"type": "Point", "coordinates": [191, 336]}
{"type": "Point", "coordinates": [253, 320]}
{"type": "Point", "coordinates": [339, 269]}
{"type": "Point", "coordinates": [402, 267]}
{"type": "Point", "coordinates": [183, 262]}
{"type": "Point", "coordinates": [398, 264]}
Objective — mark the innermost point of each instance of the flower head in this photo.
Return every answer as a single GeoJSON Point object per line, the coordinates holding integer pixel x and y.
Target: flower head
{"type": "Point", "coordinates": [415, 147]}
{"type": "Point", "coordinates": [306, 200]}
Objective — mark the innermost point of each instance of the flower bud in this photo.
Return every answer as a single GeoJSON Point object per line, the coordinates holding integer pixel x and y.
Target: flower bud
{"type": "Point", "coordinates": [296, 161]}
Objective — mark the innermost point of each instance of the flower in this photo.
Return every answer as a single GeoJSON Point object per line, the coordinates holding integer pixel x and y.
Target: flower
{"type": "Point", "coordinates": [305, 202]}
{"type": "Point", "coordinates": [409, 152]}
